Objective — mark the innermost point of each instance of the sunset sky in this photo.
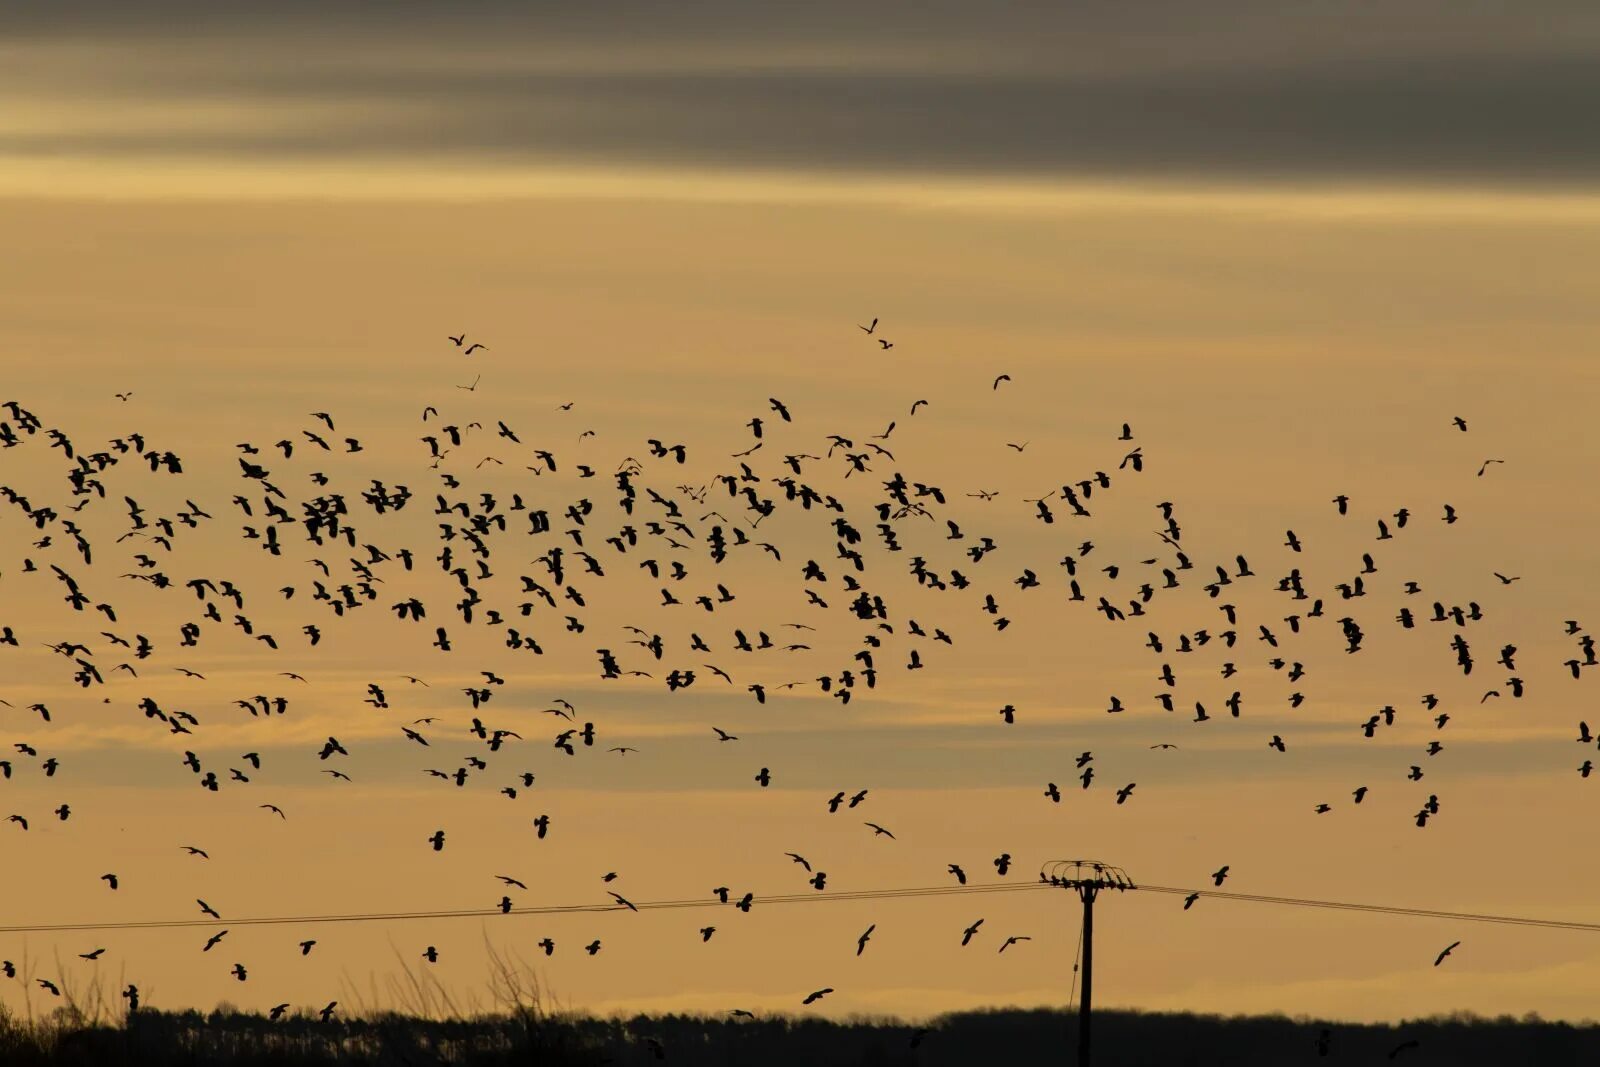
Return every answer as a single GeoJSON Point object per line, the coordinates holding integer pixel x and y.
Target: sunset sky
{"type": "Point", "coordinates": [1288, 244]}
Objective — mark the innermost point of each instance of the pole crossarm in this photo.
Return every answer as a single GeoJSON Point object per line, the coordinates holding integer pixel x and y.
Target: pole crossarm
{"type": "Point", "coordinates": [1086, 876]}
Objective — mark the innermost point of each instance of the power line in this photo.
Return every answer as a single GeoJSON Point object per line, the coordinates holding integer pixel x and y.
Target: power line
{"type": "Point", "coordinates": [1382, 909]}
{"type": "Point", "coordinates": [548, 909]}
{"type": "Point", "coordinates": [909, 893]}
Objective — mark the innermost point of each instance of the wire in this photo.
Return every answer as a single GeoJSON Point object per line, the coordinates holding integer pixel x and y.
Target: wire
{"type": "Point", "coordinates": [549, 909]}
{"type": "Point", "coordinates": [1077, 958]}
{"type": "Point", "coordinates": [909, 893]}
{"type": "Point", "coordinates": [1383, 909]}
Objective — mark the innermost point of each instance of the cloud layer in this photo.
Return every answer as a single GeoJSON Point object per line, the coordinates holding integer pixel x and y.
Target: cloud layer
{"type": "Point", "coordinates": [1421, 93]}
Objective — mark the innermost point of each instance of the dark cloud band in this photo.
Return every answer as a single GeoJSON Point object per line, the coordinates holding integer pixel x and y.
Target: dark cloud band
{"type": "Point", "coordinates": [1039, 93]}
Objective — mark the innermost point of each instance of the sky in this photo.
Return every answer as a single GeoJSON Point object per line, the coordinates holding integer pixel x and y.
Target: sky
{"type": "Point", "coordinates": [1288, 248]}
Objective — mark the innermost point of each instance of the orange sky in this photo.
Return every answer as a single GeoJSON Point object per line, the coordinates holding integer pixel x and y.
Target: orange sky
{"type": "Point", "coordinates": [1272, 342]}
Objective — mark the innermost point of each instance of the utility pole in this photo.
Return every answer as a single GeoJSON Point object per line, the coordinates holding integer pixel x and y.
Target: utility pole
{"type": "Point", "coordinates": [1088, 893]}
{"type": "Point", "coordinates": [1087, 878]}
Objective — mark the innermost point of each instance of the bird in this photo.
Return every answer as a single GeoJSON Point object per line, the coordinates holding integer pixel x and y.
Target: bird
{"type": "Point", "coordinates": [812, 998]}
{"type": "Point", "coordinates": [878, 831]}
{"type": "Point", "coordinates": [861, 942]}
{"type": "Point", "coordinates": [1012, 941]}
{"type": "Point", "coordinates": [999, 379]}
{"type": "Point", "coordinates": [1447, 950]}
{"type": "Point", "coordinates": [968, 934]}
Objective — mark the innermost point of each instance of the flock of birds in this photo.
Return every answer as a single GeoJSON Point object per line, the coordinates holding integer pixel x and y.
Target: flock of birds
{"type": "Point", "coordinates": [586, 521]}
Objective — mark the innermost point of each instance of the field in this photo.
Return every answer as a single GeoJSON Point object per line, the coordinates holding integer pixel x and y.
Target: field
{"type": "Point", "coordinates": [1122, 1039]}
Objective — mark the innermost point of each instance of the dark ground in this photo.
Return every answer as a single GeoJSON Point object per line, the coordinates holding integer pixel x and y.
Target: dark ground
{"type": "Point", "coordinates": [1122, 1039]}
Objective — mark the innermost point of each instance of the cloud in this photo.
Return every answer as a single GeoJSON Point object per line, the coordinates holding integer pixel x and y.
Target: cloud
{"type": "Point", "coordinates": [1091, 92]}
